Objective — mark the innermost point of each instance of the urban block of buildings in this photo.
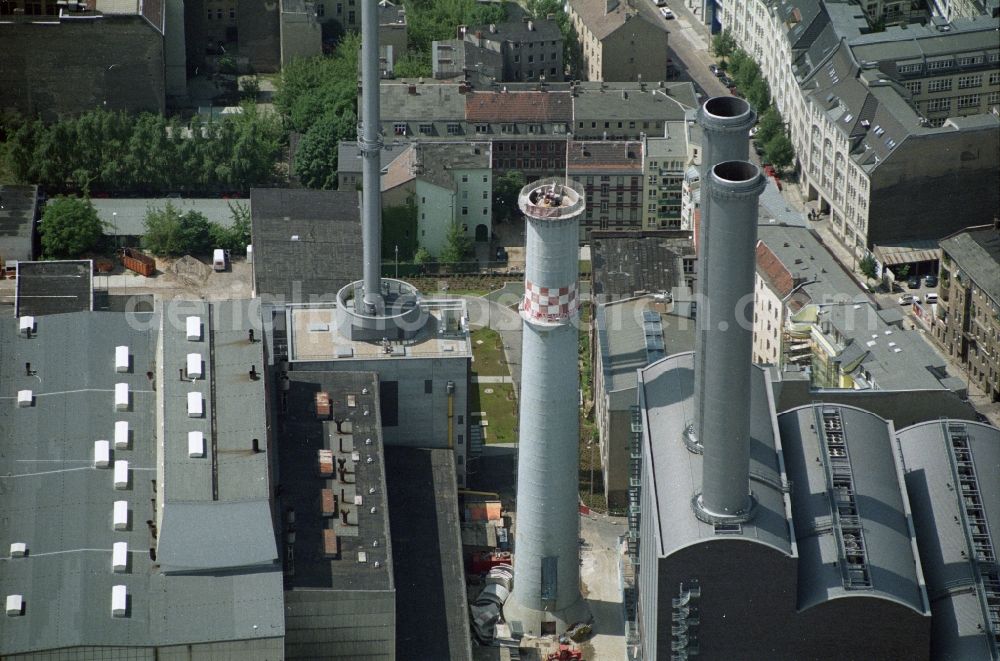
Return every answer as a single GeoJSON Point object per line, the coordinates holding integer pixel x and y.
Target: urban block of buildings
{"type": "Point", "coordinates": [878, 119]}
{"type": "Point", "coordinates": [617, 42]}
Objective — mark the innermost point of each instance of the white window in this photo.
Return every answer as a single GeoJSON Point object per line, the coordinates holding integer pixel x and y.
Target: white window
{"type": "Point", "coordinates": [908, 68]}
{"type": "Point", "coordinates": [965, 82]}
{"type": "Point", "coordinates": [968, 60]}
{"type": "Point", "coordinates": [399, 128]}
{"type": "Point", "coordinates": [426, 129]}
{"type": "Point", "coordinates": [939, 64]}
{"type": "Point", "coordinates": [940, 85]}
{"type": "Point", "coordinates": [968, 101]}
{"type": "Point", "coordinates": [454, 129]}
{"type": "Point", "coordinates": [937, 105]}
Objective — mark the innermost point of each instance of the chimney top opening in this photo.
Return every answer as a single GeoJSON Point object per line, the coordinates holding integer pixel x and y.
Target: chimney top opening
{"type": "Point", "coordinates": [736, 172]}
{"type": "Point", "coordinates": [726, 106]}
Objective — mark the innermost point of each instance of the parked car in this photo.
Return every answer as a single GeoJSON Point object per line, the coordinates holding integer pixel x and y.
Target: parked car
{"type": "Point", "coordinates": [754, 130]}
{"type": "Point", "coordinates": [930, 297]}
{"type": "Point", "coordinates": [913, 282]}
{"type": "Point", "coordinates": [907, 299]}
{"type": "Point", "coordinates": [726, 80]}
{"type": "Point", "coordinates": [716, 69]}
{"type": "Point", "coordinates": [931, 281]}
{"type": "Point", "coordinates": [660, 3]}
{"type": "Point", "coordinates": [667, 14]}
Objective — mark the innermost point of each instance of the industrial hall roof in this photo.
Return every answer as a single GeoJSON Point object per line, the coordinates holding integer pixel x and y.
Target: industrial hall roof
{"type": "Point", "coordinates": [306, 243]}
{"type": "Point", "coordinates": [54, 287]}
{"type": "Point", "coordinates": [625, 263]}
{"type": "Point", "coordinates": [951, 469]}
{"type": "Point", "coordinates": [127, 216]}
{"type": "Point", "coordinates": [82, 436]}
{"type": "Point", "coordinates": [976, 251]}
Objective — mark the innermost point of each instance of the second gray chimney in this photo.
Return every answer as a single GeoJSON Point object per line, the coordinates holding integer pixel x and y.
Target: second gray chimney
{"type": "Point", "coordinates": [725, 344]}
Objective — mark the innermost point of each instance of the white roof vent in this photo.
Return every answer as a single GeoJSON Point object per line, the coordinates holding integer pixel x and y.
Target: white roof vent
{"type": "Point", "coordinates": [121, 435]}
{"type": "Point", "coordinates": [121, 474]}
{"type": "Point", "coordinates": [18, 549]}
{"type": "Point", "coordinates": [26, 325]}
{"type": "Point", "coordinates": [121, 359]}
{"type": "Point", "coordinates": [121, 397]}
{"type": "Point", "coordinates": [119, 600]}
{"type": "Point", "coordinates": [196, 444]}
{"type": "Point", "coordinates": [24, 398]}
{"type": "Point", "coordinates": [362, 556]}
{"type": "Point", "coordinates": [194, 362]}
{"type": "Point", "coordinates": [193, 329]}
{"type": "Point", "coordinates": [102, 454]}
{"type": "Point", "coordinates": [15, 605]}
{"type": "Point", "coordinates": [196, 405]}
{"type": "Point", "coordinates": [121, 515]}
{"type": "Point", "coordinates": [119, 557]}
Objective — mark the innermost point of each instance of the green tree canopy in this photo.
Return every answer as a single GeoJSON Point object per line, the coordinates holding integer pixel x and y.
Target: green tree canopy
{"type": "Point", "coordinates": [236, 237]}
{"type": "Point", "coordinates": [435, 20]}
{"type": "Point", "coordinates": [505, 190]}
{"type": "Point", "coordinates": [413, 65]}
{"type": "Point", "coordinates": [770, 125]}
{"type": "Point", "coordinates": [867, 267]}
{"type": "Point", "coordinates": [456, 248]}
{"type": "Point", "coordinates": [778, 151]}
{"type": "Point", "coordinates": [69, 228]}
{"type": "Point", "coordinates": [171, 233]}
{"type": "Point", "coordinates": [723, 44]}
{"type": "Point", "coordinates": [316, 156]}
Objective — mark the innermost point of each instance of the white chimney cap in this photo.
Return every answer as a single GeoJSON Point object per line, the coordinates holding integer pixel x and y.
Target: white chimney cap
{"type": "Point", "coordinates": [26, 324]}
{"type": "Point", "coordinates": [18, 549]}
{"type": "Point", "coordinates": [121, 474]}
{"type": "Point", "coordinates": [121, 515]}
{"type": "Point", "coordinates": [102, 454]}
{"type": "Point", "coordinates": [193, 328]}
{"type": "Point", "coordinates": [194, 363]}
{"type": "Point", "coordinates": [121, 359]}
{"type": "Point", "coordinates": [196, 405]}
{"type": "Point", "coordinates": [196, 444]}
{"type": "Point", "coordinates": [121, 396]}
{"type": "Point", "coordinates": [119, 557]}
{"type": "Point", "coordinates": [24, 398]}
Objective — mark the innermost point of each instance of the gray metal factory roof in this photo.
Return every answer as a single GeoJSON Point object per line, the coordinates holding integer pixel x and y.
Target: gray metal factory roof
{"type": "Point", "coordinates": [950, 528]}
{"type": "Point", "coordinates": [850, 508]}
{"type": "Point", "coordinates": [914, 41]}
{"type": "Point", "coordinates": [674, 473]}
{"type": "Point", "coordinates": [628, 262]}
{"type": "Point", "coordinates": [358, 563]}
{"type": "Point", "coordinates": [54, 287]}
{"type": "Point", "coordinates": [432, 619]}
{"type": "Point", "coordinates": [976, 251]}
{"type": "Point", "coordinates": [306, 243]}
{"type": "Point", "coordinates": [633, 334]}
{"type": "Point", "coordinates": [127, 216]}
{"type": "Point", "coordinates": [17, 222]}
{"type": "Point", "coordinates": [60, 505]}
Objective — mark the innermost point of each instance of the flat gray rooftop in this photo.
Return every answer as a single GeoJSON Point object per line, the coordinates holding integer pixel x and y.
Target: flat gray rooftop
{"type": "Point", "coordinates": [54, 287]}
{"type": "Point", "coordinates": [57, 502]}
{"type": "Point", "coordinates": [625, 263]}
{"type": "Point", "coordinates": [17, 221]}
{"type": "Point", "coordinates": [363, 557]}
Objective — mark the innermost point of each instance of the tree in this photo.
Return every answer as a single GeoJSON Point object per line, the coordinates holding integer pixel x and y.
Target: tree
{"type": "Point", "coordinates": [868, 267]}
{"type": "Point", "coordinates": [399, 229]}
{"type": "Point", "coordinates": [236, 237]}
{"type": "Point", "coordinates": [723, 44]}
{"type": "Point", "coordinates": [779, 151]}
{"type": "Point", "coordinates": [506, 188]}
{"type": "Point", "coordinates": [457, 246]}
{"type": "Point", "coordinates": [69, 228]}
{"type": "Point", "coordinates": [758, 94]}
{"type": "Point", "coordinates": [316, 156]}
{"type": "Point", "coordinates": [413, 65]}
{"type": "Point", "coordinates": [771, 124]}
{"type": "Point", "coordinates": [250, 87]}
{"type": "Point", "coordinates": [170, 233]}
{"type": "Point", "coordinates": [422, 256]}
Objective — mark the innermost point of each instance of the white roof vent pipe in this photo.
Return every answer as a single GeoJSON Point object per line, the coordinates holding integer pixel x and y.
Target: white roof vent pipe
{"type": "Point", "coordinates": [25, 398]}
{"type": "Point", "coordinates": [121, 435]}
{"type": "Point", "coordinates": [121, 397]}
{"type": "Point", "coordinates": [121, 515]}
{"type": "Point", "coordinates": [18, 549]}
{"type": "Point", "coordinates": [26, 326]}
{"type": "Point", "coordinates": [121, 475]}
{"type": "Point", "coordinates": [102, 454]}
{"type": "Point", "coordinates": [196, 444]}
{"type": "Point", "coordinates": [15, 605]}
{"type": "Point", "coordinates": [119, 557]}
{"type": "Point", "coordinates": [121, 359]}
{"type": "Point", "coordinates": [196, 405]}
{"type": "Point", "coordinates": [193, 329]}
{"type": "Point", "coordinates": [194, 366]}
{"type": "Point", "coordinates": [119, 601]}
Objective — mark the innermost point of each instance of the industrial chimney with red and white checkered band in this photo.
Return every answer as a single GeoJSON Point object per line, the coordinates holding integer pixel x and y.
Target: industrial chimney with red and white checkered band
{"type": "Point", "coordinates": [546, 596]}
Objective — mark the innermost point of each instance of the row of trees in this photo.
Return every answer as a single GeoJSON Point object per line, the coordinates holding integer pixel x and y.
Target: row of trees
{"type": "Point", "coordinates": [771, 134]}
{"type": "Point", "coordinates": [146, 153]}
{"type": "Point", "coordinates": [70, 228]}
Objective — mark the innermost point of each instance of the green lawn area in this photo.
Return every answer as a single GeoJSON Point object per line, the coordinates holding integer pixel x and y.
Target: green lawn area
{"type": "Point", "coordinates": [488, 358]}
{"type": "Point", "coordinates": [500, 407]}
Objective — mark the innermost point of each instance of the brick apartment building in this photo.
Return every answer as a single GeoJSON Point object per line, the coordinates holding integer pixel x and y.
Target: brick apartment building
{"type": "Point", "coordinates": [611, 172]}
{"type": "Point", "coordinates": [967, 324]}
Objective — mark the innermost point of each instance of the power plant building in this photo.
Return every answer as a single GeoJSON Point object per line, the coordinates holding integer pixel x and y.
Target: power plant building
{"type": "Point", "coordinates": [819, 532]}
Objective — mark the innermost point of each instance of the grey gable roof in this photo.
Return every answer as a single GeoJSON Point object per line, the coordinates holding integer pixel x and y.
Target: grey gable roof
{"type": "Point", "coordinates": [976, 251]}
